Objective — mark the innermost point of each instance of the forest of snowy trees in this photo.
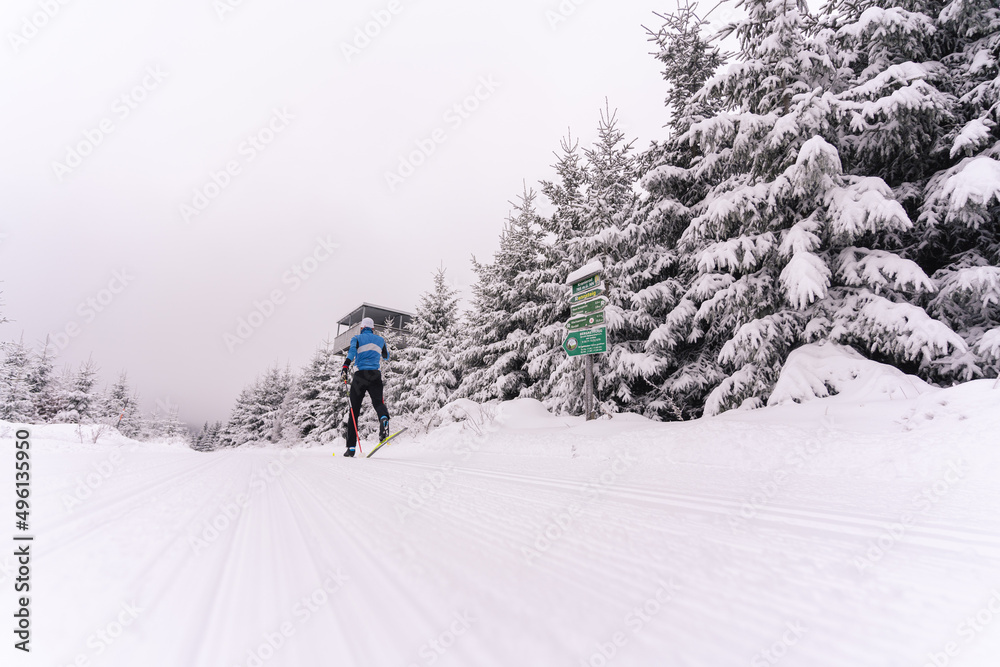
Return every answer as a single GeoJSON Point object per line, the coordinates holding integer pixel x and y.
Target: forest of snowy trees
{"type": "Point", "coordinates": [835, 179]}
{"type": "Point", "coordinates": [33, 392]}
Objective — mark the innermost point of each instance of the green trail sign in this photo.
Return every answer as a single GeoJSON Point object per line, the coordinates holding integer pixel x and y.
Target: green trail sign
{"type": "Point", "coordinates": [586, 341]}
{"type": "Point", "coordinates": [587, 296]}
{"type": "Point", "coordinates": [587, 284]}
{"type": "Point", "coordinates": [588, 307]}
{"type": "Point", "coordinates": [585, 321]}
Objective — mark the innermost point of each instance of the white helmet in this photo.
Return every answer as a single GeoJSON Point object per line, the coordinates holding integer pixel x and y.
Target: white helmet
{"type": "Point", "coordinates": [368, 323]}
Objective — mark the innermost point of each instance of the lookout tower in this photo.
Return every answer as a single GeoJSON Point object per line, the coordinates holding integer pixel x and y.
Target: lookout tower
{"type": "Point", "coordinates": [350, 324]}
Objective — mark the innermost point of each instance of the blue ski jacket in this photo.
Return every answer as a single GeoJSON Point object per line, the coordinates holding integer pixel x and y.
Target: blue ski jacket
{"type": "Point", "coordinates": [367, 351]}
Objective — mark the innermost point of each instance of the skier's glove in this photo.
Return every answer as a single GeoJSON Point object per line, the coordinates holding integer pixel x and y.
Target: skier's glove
{"type": "Point", "coordinates": [343, 374]}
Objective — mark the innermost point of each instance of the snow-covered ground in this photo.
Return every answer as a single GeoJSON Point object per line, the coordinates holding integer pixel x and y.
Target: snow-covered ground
{"type": "Point", "coordinates": [858, 529]}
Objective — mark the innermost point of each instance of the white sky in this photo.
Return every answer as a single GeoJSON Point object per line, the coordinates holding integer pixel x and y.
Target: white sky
{"type": "Point", "coordinates": [322, 176]}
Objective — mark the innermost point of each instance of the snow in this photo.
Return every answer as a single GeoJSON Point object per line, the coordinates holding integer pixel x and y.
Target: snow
{"type": "Point", "coordinates": [895, 18]}
{"type": "Point", "coordinates": [989, 344]}
{"type": "Point", "coordinates": [800, 237]}
{"type": "Point", "coordinates": [977, 180]}
{"type": "Point", "coordinates": [877, 269]}
{"type": "Point", "coordinates": [865, 206]}
{"type": "Point", "coordinates": [869, 520]}
{"type": "Point", "coordinates": [901, 330]}
{"type": "Point", "coordinates": [975, 133]}
{"type": "Point", "coordinates": [804, 279]}
{"type": "Point", "coordinates": [826, 369]}
{"type": "Point", "coordinates": [739, 254]}
{"type": "Point", "coordinates": [981, 61]}
{"type": "Point", "coordinates": [586, 270]}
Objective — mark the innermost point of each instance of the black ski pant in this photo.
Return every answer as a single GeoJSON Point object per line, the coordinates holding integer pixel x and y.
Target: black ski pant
{"type": "Point", "coordinates": [370, 382]}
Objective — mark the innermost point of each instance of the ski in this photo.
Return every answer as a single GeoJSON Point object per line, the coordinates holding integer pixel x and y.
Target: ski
{"type": "Point", "coordinates": [388, 438]}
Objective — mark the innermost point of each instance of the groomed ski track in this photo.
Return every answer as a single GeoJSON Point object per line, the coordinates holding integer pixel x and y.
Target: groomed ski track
{"type": "Point", "coordinates": [616, 543]}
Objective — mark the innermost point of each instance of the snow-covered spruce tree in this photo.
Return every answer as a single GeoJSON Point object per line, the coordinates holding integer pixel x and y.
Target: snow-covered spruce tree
{"type": "Point", "coordinates": [593, 200]}
{"type": "Point", "coordinates": [789, 246]}
{"type": "Point", "coordinates": [959, 223]}
{"type": "Point", "coordinates": [259, 412]}
{"type": "Point", "coordinates": [543, 343]}
{"type": "Point", "coordinates": [320, 399]}
{"type": "Point", "coordinates": [394, 373]}
{"type": "Point", "coordinates": [606, 206]}
{"type": "Point", "coordinates": [433, 373]}
{"type": "Point", "coordinates": [207, 439]}
{"type": "Point", "coordinates": [43, 385]}
{"type": "Point", "coordinates": [15, 387]}
{"type": "Point", "coordinates": [199, 441]}
{"type": "Point", "coordinates": [609, 208]}
{"type": "Point", "coordinates": [506, 303]}
{"type": "Point", "coordinates": [77, 399]}
{"type": "Point", "coordinates": [652, 274]}
{"type": "Point", "coordinates": [119, 407]}
{"type": "Point", "coordinates": [165, 422]}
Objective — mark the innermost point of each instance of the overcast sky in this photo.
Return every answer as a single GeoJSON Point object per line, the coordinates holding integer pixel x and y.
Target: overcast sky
{"type": "Point", "coordinates": [174, 163]}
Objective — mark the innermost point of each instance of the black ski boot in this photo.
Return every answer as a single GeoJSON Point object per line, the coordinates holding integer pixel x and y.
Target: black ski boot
{"type": "Point", "coordinates": [349, 452]}
{"type": "Point", "coordinates": [383, 429]}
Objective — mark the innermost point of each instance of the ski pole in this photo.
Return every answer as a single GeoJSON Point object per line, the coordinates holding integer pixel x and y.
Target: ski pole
{"type": "Point", "coordinates": [357, 435]}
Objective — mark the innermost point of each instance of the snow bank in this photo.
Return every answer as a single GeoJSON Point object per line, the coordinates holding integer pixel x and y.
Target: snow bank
{"type": "Point", "coordinates": [526, 413]}
{"type": "Point", "coordinates": [826, 369]}
{"type": "Point", "coordinates": [84, 437]}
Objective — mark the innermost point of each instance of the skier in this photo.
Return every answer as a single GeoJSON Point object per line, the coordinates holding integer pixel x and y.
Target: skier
{"type": "Point", "coordinates": [367, 351]}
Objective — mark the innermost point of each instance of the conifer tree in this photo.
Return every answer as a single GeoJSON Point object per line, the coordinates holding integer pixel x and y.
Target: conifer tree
{"type": "Point", "coordinates": [507, 305]}
{"type": "Point", "coordinates": [77, 400]}
{"type": "Point", "coordinates": [259, 413]}
{"type": "Point", "coordinates": [566, 223]}
{"type": "Point", "coordinates": [320, 401]}
{"type": "Point", "coordinates": [165, 422]}
{"type": "Point", "coordinates": [604, 206]}
{"type": "Point", "coordinates": [432, 373]}
{"type": "Point", "coordinates": [43, 385]}
{"type": "Point", "coordinates": [119, 406]}
{"type": "Point", "coordinates": [16, 404]}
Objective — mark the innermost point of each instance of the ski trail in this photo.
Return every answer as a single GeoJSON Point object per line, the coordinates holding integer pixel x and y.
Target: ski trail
{"type": "Point", "coordinates": [271, 557]}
